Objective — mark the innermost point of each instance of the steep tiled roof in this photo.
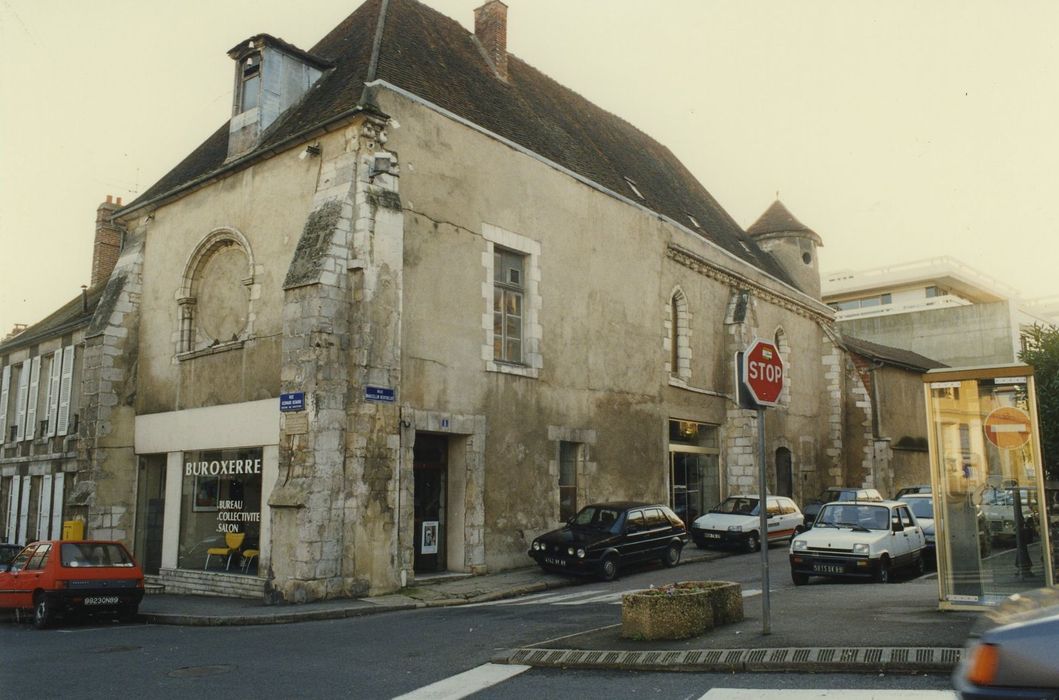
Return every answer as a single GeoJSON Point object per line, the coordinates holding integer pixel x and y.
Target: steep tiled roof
{"type": "Point", "coordinates": [434, 57]}
{"type": "Point", "coordinates": [897, 357]}
{"type": "Point", "coordinates": [72, 315]}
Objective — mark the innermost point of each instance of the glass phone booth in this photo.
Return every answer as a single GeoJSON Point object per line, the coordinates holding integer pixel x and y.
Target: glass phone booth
{"type": "Point", "coordinates": [992, 509]}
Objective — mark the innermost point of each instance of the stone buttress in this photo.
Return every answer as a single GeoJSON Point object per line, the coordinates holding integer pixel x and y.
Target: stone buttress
{"type": "Point", "coordinates": [334, 506]}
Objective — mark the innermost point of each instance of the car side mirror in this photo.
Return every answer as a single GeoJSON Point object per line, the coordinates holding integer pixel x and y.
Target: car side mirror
{"type": "Point", "coordinates": [898, 527]}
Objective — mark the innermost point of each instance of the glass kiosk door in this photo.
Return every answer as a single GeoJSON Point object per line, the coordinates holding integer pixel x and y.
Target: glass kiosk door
{"type": "Point", "coordinates": [991, 515]}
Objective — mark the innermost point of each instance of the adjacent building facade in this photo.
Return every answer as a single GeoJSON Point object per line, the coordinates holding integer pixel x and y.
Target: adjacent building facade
{"type": "Point", "coordinates": [415, 304]}
{"type": "Point", "coordinates": [937, 307]}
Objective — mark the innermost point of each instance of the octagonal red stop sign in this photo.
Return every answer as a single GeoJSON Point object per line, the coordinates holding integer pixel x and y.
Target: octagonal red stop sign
{"type": "Point", "coordinates": [763, 372]}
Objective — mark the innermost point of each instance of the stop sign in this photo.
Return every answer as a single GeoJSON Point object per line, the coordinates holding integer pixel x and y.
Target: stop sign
{"type": "Point", "coordinates": [763, 372]}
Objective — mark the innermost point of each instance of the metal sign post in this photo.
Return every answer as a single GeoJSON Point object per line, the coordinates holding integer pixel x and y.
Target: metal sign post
{"type": "Point", "coordinates": [760, 373]}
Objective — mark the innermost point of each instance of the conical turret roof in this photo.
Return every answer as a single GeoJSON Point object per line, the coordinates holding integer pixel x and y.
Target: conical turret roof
{"type": "Point", "coordinates": [778, 219]}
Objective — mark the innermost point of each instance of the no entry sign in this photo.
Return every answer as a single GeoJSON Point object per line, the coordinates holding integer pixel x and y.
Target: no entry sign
{"type": "Point", "coordinates": [1007, 427]}
{"type": "Point", "coordinates": [763, 372]}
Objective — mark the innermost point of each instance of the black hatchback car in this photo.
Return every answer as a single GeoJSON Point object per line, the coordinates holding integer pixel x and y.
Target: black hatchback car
{"type": "Point", "coordinates": [605, 537]}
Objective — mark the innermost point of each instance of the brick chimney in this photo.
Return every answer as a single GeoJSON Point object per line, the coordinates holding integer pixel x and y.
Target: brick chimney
{"type": "Point", "coordinates": [490, 26]}
{"type": "Point", "coordinates": [107, 245]}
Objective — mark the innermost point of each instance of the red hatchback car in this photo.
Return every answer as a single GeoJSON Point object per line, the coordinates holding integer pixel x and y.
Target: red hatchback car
{"type": "Point", "coordinates": [57, 578]}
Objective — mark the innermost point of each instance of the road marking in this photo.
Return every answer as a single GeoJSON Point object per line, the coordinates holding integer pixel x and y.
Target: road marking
{"type": "Point", "coordinates": [578, 598]}
{"type": "Point", "coordinates": [814, 694]}
{"type": "Point", "coordinates": [467, 683]}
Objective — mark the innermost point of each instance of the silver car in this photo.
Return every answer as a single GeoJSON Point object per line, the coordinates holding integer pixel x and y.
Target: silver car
{"type": "Point", "coordinates": [1015, 656]}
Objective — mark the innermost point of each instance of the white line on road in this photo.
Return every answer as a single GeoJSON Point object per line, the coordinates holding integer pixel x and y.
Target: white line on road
{"type": "Point", "coordinates": [467, 683]}
{"type": "Point", "coordinates": [815, 694]}
{"type": "Point", "coordinates": [556, 598]}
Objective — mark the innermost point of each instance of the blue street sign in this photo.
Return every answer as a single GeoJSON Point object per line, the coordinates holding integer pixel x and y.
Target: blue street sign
{"type": "Point", "coordinates": [292, 402]}
{"type": "Point", "coordinates": [379, 393]}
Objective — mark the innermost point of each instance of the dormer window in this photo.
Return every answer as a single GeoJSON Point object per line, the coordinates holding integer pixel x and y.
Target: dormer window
{"type": "Point", "coordinates": [250, 89]}
{"type": "Point", "coordinates": [271, 76]}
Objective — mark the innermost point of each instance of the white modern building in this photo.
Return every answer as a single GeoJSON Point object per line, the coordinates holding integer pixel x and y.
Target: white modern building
{"type": "Point", "coordinates": [937, 307]}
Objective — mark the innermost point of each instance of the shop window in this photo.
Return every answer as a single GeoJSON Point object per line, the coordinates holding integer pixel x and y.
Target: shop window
{"type": "Point", "coordinates": [220, 496]}
{"type": "Point", "coordinates": [694, 468]}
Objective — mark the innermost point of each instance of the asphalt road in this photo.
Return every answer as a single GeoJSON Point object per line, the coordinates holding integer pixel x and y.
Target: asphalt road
{"type": "Point", "coordinates": [378, 656]}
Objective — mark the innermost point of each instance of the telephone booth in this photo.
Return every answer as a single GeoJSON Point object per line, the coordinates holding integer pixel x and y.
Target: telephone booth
{"type": "Point", "coordinates": [994, 517]}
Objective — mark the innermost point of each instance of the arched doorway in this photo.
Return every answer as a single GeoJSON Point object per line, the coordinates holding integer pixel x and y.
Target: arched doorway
{"type": "Point", "coordinates": [784, 475]}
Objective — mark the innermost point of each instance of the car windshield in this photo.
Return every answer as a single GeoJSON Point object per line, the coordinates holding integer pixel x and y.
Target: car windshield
{"type": "Point", "coordinates": [737, 505]}
{"type": "Point", "coordinates": [862, 517]}
{"type": "Point", "coordinates": [921, 507]}
{"type": "Point", "coordinates": [599, 517]}
{"type": "Point", "coordinates": [94, 554]}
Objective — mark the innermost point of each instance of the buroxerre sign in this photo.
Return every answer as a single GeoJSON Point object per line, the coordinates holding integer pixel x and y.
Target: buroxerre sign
{"type": "Point", "coordinates": [223, 467]}
{"type": "Point", "coordinates": [763, 372]}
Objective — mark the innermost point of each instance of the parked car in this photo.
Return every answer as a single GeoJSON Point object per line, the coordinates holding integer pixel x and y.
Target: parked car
{"type": "Point", "coordinates": [603, 538]}
{"type": "Point", "coordinates": [918, 488]}
{"type": "Point", "coordinates": [922, 506]}
{"type": "Point", "coordinates": [7, 553]}
{"type": "Point", "coordinates": [838, 493]}
{"type": "Point", "coordinates": [58, 578]}
{"type": "Point", "coordinates": [859, 540]}
{"type": "Point", "coordinates": [736, 522]}
{"type": "Point", "coordinates": [998, 508]}
{"type": "Point", "coordinates": [1012, 655]}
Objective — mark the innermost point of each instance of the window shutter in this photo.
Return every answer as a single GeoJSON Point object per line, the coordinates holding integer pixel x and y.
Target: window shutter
{"type": "Point", "coordinates": [44, 508]}
{"type": "Point", "coordinates": [12, 509]}
{"type": "Point", "coordinates": [23, 512]}
{"type": "Point", "coordinates": [62, 423]}
{"type": "Point", "coordinates": [5, 385]}
{"type": "Point", "coordinates": [31, 402]}
{"type": "Point", "coordinates": [53, 391]}
{"type": "Point", "coordinates": [57, 506]}
{"type": "Point", "coordinates": [20, 403]}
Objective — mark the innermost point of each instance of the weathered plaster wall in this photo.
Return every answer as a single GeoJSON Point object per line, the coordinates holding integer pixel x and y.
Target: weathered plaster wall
{"type": "Point", "coordinates": [267, 204]}
{"type": "Point", "coordinates": [605, 285]}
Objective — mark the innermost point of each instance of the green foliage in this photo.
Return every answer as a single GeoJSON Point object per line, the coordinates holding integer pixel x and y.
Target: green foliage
{"type": "Point", "coordinates": [1042, 352]}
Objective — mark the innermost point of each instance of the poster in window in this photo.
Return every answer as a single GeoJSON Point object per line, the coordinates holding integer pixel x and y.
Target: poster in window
{"type": "Point", "coordinates": [206, 492]}
{"type": "Point", "coordinates": [430, 537]}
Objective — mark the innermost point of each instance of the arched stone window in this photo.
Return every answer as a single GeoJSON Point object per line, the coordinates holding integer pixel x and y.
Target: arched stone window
{"type": "Point", "coordinates": [216, 295]}
{"type": "Point", "coordinates": [677, 342]}
{"type": "Point", "coordinates": [784, 346]}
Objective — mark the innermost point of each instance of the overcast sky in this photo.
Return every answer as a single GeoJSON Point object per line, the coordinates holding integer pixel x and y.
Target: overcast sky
{"type": "Point", "coordinates": [897, 130]}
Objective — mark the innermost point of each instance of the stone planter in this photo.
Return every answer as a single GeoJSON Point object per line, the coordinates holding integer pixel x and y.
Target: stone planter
{"type": "Point", "coordinates": [680, 610]}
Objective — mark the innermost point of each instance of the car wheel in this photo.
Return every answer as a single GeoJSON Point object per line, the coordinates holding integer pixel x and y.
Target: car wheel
{"type": "Point", "coordinates": [753, 544]}
{"type": "Point", "coordinates": [42, 612]}
{"type": "Point", "coordinates": [609, 569]}
{"type": "Point", "coordinates": [799, 579]}
{"type": "Point", "coordinates": [672, 556]}
{"type": "Point", "coordinates": [919, 567]}
{"type": "Point", "coordinates": [883, 574]}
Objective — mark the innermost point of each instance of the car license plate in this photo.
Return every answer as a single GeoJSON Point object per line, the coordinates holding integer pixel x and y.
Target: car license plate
{"type": "Point", "coordinates": [712, 536]}
{"type": "Point", "coordinates": [102, 600]}
{"type": "Point", "coordinates": [555, 562]}
{"type": "Point", "coordinates": [828, 568]}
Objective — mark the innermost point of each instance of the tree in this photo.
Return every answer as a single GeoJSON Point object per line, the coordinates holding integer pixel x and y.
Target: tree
{"type": "Point", "coordinates": [1041, 350]}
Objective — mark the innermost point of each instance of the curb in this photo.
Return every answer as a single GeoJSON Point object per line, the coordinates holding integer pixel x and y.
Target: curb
{"type": "Point", "coordinates": [806, 659]}
{"type": "Point", "coordinates": [276, 619]}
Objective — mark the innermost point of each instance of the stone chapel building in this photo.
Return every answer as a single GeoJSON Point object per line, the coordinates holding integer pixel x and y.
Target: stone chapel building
{"type": "Point", "coordinates": [484, 301]}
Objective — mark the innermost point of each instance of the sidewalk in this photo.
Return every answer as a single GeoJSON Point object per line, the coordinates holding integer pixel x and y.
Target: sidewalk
{"type": "Point", "coordinates": [820, 627]}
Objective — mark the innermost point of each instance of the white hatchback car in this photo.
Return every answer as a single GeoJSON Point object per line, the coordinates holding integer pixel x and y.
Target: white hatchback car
{"type": "Point", "coordinates": [736, 522]}
{"type": "Point", "coordinates": [858, 540]}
